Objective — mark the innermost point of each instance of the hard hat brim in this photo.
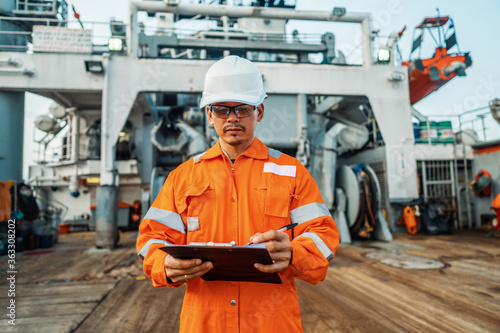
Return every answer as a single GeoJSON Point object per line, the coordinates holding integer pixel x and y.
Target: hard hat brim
{"type": "Point", "coordinates": [242, 98]}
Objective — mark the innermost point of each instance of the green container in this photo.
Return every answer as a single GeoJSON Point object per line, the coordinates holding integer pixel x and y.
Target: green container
{"type": "Point", "coordinates": [445, 132]}
{"type": "Point", "coordinates": [428, 130]}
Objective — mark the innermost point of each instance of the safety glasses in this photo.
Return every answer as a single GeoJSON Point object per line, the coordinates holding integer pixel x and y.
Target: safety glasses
{"type": "Point", "coordinates": [240, 111]}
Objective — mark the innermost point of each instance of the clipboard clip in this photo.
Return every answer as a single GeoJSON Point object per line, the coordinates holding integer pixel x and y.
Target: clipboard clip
{"type": "Point", "coordinates": [212, 244]}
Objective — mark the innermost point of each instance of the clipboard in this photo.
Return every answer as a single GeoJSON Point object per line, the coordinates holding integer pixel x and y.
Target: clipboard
{"type": "Point", "coordinates": [231, 263]}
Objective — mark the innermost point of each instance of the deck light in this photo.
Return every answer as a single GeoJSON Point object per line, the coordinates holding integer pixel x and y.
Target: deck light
{"type": "Point", "coordinates": [94, 67]}
{"type": "Point", "coordinates": [384, 56]}
{"type": "Point", "coordinates": [115, 44]}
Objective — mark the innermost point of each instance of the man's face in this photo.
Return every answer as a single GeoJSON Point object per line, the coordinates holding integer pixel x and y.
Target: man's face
{"type": "Point", "coordinates": [235, 131]}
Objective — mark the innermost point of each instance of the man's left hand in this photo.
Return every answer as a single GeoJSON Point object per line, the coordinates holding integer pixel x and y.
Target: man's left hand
{"type": "Point", "coordinates": [279, 247]}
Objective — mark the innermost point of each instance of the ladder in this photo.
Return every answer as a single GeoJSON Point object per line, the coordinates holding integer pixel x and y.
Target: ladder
{"type": "Point", "coordinates": [462, 180]}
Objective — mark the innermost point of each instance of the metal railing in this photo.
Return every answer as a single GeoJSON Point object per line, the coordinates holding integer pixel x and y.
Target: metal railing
{"type": "Point", "coordinates": [223, 12]}
{"type": "Point", "coordinates": [101, 31]}
{"type": "Point", "coordinates": [49, 8]}
{"type": "Point", "coordinates": [476, 120]}
{"type": "Point", "coordinates": [438, 179]}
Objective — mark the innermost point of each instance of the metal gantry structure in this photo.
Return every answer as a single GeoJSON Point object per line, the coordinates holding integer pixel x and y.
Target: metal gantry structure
{"type": "Point", "coordinates": [133, 107]}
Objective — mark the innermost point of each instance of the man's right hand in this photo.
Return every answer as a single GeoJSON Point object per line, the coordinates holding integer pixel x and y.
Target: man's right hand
{"type": "Point", "coordinates": [180, 271]}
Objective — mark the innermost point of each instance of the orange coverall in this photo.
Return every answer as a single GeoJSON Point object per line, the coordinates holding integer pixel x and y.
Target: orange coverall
{"type": "Point", "coordinates": [207, 199]}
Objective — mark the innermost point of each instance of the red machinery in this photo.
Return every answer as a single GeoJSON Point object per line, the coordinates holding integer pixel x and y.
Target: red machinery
{"type": "Point", "coordinates": [495, 205]}
{"type": "Point", "coordinates": [428, 75]}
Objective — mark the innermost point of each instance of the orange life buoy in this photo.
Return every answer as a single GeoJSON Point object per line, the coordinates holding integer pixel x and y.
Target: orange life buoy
{"type": "Point", "coordinates": [482, 172]}
{"type": "Point", "coordinates": [481, 184]}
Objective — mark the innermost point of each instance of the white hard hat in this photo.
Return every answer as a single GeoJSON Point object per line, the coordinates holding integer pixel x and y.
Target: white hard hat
{"type": "Point", "coordinates": [233, 79]}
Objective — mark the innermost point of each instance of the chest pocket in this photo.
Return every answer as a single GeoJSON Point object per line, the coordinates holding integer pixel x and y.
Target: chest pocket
{"type": "Point", "coordinates": [278, 201]}
{"type": "Point", "coordinates": [199, 199]}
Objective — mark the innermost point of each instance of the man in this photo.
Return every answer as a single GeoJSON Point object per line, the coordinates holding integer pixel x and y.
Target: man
{"type": "Point", "coordinates": [238, 190]}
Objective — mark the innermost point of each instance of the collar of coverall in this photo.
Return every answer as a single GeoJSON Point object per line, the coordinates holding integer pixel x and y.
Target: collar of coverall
{"type": "Point", "coordinates": [256, 150]}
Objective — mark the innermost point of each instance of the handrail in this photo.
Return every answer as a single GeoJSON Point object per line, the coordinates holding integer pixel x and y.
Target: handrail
{"type": "Point", "coordinates": [15, 32]}
{"type": "Point", "coordinates": [245, 11]}
{"type": "Point", "coordinates": [100, 30]}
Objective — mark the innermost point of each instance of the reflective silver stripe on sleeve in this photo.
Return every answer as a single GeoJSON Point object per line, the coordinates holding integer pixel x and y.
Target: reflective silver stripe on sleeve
{"type": "Point", "coordinates": [144, 251]}
{"type": "Point", "coordinates": [308, 212]}
{"type": "Point", "coordinates": [319, 244]}
{"type": "Point", "coordinates": [274, 153]}
{"type": "Point", "coordinates": [167, 218]}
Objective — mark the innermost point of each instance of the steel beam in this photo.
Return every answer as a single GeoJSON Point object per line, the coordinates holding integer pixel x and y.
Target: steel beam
{"type": "Point", "coordinates": [247, 11]}
{"type": "Point", "coordinates": [232, 44]}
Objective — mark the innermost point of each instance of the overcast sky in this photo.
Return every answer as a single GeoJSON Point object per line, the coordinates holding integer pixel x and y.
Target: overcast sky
{"type": "Point", "coordinates": [477, 25]}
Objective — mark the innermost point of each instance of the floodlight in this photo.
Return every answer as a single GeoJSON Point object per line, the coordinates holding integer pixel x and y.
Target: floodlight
{"type": "Point", "coordinates": [47, 124]}
{"type": "Point", "coordinates": [118, 28]}
{"type": "Point", "coordinates": [384, 56]}
{"type": "Point", "coordinates": [115, 44]}
{"type": "Point", "coordinates": [94, 67]}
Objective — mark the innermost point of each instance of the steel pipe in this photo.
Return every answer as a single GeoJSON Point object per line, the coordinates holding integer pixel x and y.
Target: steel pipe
{"type": "Point", "coordinates": [246, 11]}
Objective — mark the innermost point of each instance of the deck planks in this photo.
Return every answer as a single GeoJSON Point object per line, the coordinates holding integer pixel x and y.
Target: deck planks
{"type": "Point", "coordinates": [462, 297]}
{"type": "Point", "coordinates": [74, 258]}
{"type": "Point", "coordinates": [54, 307]}
{"type": "Point", "coordinates": [80, 289]}
{"type": "Point", "coordinates": [135, 306]}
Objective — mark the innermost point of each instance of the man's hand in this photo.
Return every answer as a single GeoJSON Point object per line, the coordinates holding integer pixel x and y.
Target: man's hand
{"type": "Point", "coordinates": [279, 247]}
{"type": "Point", "coordinates": [180, 271]}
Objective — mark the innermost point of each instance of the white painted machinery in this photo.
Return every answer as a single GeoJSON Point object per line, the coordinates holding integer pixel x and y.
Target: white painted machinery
{"type": "Point", "coordinates": [129, 114]}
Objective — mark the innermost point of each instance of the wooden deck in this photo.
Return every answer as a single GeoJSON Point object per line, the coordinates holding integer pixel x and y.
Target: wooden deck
{"type": "Point", "coordinates": [76, 288]}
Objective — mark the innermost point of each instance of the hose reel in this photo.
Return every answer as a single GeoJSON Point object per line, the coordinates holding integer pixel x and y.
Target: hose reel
{"type": "Point", "coordinates": [362, 190]}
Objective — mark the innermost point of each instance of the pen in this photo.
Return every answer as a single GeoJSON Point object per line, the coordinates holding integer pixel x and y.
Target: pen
{"type": "Point", "coordinates": [283, 228]}
{"type": "Point", "coordinates": [288, 227]}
